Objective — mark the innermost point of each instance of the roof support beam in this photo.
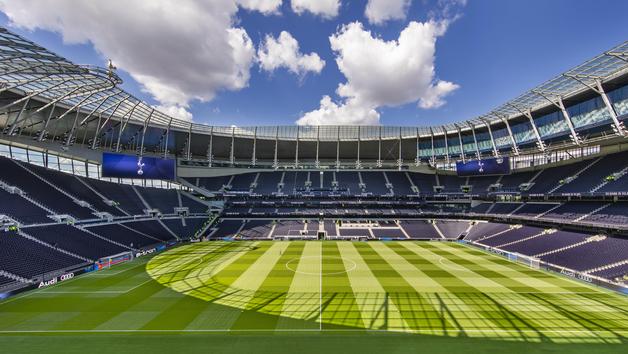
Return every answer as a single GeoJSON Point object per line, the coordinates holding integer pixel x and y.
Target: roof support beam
{"type": "Point", "coordinates": [528, 114]}
{"type": "Point", "coordinates": [379, 147]}
{"type": "Point", "coordinates": [98, 107]}
{"type": "Point", "coordinates": [275, 161]}
{"type": "Point", "coordinates": [619, 126]}
{"type": "Point", "coordinates": [17, 117]}
{"type": "Point", "coordinates": [490, 133]}
{"type": "Point", "coordinates": [560, 105]}
{"type": "Point", "coordinates": [76, 107]}
{"type": "Point", "coordinates": [254, 155]}
{"type": "Point", "coordinates": [99, 126]}
{"type": "Point", "coordinates": [210, 152]}
{"type": "Point", "coordinates": [572, 130]}
{"type": "Point", "coordinates": [433, 159]}
{"type": "Point", "coordinates": [189, 152]}
{"type": "Point", "coordinates": [446, 144]}
{"type": "Point", "coordinates": [296, 153]}
{"type": "Point", "coordinates": [50, 103]}
{"type": "Point", "coordinates": [400, 159]}
{"type": "Point", "coordinates": [28, 97]}
{"type": "Point", "coordinates": [475, 141]}
{"type": "Point", "coordinates": [124, 124]}
{"type": "Point", "coordinates": [144, 131]}
{"type": "Point", "coordinates": [417, 160]}
{"type": "Point", "coordinates": [539, 141]}
{"type": "Point", "coordinates": [42, 133]}
{"type": "Point", "coordinates": [338, 148]}
{"type": "Point", "coordinates": [358, 164]}
{"type": "Point", "coordinates": [460, 142]}
{"type": "Point", "coordinates": [513, 143]}
{"type": "Point", "coordinates": [232, 151]}
{"type": "Point", "coordinates": [166, 141]}
{"type": "Point", "coordinates": [317, 163]}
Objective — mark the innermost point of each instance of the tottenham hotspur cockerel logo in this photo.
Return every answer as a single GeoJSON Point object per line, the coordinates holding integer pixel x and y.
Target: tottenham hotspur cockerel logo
{"type": "Point", "coordinates": [140, 166]}
{"type": "Point", "coordinates": [481, 166]}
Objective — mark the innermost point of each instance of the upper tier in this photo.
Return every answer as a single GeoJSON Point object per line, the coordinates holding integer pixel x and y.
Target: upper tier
{"type": "Point", "coordinates": [47, 97]}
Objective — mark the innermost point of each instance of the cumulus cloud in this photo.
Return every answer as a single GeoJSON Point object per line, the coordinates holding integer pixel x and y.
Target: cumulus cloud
{"type": "Point", "coordinates": [324, 8]}
{"type": "Point", "coordinates": [267, 7]}
{"type": "Point", "coordinates": [380, 11]}
{"type": "Point", "coordinates": [383, 73]}
{"type": "Point", "coordinates": [283, 51]}
{"type": "Point", "coordinates": [352, 112]}
{"type": "Point", "coordinates": [175, 111]}
{"type": "Point", "coordinates": [178, 51]}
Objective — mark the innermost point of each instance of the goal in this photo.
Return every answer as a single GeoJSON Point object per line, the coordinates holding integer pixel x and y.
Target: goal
{"type": "Point", "coordinates": [107, 262]}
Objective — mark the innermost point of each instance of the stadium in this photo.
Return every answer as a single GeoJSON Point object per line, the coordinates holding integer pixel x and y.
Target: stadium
{"type": "Point", "coordinates": [123, 228]}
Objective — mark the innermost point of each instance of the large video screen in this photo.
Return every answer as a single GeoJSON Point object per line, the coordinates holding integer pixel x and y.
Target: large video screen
{"type": "Point", "coordinates": [484, 167]}
{"type": "Point", "coordinates": [129, 166]}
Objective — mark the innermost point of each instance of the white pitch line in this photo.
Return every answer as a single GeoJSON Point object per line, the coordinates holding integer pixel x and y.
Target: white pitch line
{"type": "Point", "coordinates": [425, 330]}
{"type": "Point", "coordinates": [320, 292]}
{"type": "Point", "coordinates": [99, 292]}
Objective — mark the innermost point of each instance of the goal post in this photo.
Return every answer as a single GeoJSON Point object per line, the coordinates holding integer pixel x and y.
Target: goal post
{"type": "Point", "coordinates": [109, 261]}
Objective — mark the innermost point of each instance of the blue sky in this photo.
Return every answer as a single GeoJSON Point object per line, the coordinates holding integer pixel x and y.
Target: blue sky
{"type": "Point", "coordinates": [493, 51]}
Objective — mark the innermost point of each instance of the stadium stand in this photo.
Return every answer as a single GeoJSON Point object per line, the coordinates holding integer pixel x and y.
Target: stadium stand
{"type": "Point", "coordinates": [22, 209]}
{"type": "Point", "coordinates": [122, 234]}
{"type": "Point", "coordinates": [27, 258]}
{"type": "Point", "coordinates": [184, 227]}
{"type": "Point", "coordinates": [589, 254]}
{"type": "Point", "coordinates": [123, 195]}
{"type": "Point", "coordinates": [226, 229]}
{"type": "Point", "coordinates": [419, 229]}
{"type": "Point", "coordinates": [15, 174]}
{"type": "Point", "coordinates": [75, 240]}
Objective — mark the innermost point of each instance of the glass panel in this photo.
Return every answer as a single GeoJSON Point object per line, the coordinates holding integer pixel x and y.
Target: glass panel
{"type": "Point", "coordinates": [589, 112]}
{"type": "Point", "coordinates": [36, 157]}
{"type": "Point", "coordinates": [65, 164]}
{"type": "Point", "coordinates": [79, 168]}
{"type": "Point", "coordinates": [4, 151]}
{"type": "Point", "coordinates": [19, 154]}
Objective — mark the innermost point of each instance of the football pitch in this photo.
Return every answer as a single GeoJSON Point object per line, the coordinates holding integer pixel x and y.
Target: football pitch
{"type": "Point", "coordinates": [317, 296]}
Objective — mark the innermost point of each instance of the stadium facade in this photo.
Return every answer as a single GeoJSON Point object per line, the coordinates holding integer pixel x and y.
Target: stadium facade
{"type": "Point", "coordinates": [47, 98]}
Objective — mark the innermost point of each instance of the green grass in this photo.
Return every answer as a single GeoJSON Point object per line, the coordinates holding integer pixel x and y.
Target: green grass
{"type": "Point", "coordinates": [350, 297]}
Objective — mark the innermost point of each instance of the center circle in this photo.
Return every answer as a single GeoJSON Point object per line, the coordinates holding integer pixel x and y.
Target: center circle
{"type": "Point", "coordinates": [294, 262]}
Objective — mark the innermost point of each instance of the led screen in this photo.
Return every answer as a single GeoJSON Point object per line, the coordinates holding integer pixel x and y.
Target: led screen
{"type": "Point", "coordinates": [484, 167]}
{"type": "Point", "coordinates": [129, 166]}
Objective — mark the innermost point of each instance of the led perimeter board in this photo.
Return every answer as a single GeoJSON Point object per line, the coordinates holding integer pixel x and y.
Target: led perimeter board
{"type": "Point", "coordinates": [484, 167]}
{"type": "Point", "coordinates": [129, 166]}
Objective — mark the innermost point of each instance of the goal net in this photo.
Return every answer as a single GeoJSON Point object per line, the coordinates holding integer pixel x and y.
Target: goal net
{"type": "Point", "coordinates": [107, 262]}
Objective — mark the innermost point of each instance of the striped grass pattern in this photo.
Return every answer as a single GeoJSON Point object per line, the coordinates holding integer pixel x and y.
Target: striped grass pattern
{"type": "Point", "coordinates": [413, 288]}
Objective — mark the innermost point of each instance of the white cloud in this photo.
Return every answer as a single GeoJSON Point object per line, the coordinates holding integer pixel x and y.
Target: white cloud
{"type": "Point", "coordinates": [352, 112]}
{"type": "Point", "coordinates": [380, 11]}
{"type": "Point", "coordinates": [175, 111]}
{"type": "Point", "coordinates": [274, 53]}
{"type": "Point", "coordinates": [178, 51]}
{"type": "Point", "coordinates": [267, 7]}
{"type": "Point", "coordinates": [383, 73]}
{"type": "Point", "coordinates": [324, 8]}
